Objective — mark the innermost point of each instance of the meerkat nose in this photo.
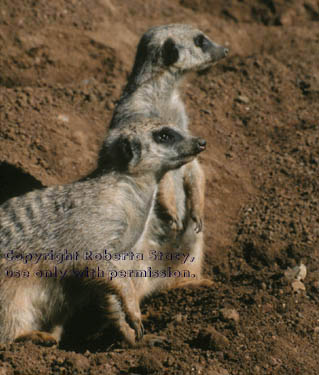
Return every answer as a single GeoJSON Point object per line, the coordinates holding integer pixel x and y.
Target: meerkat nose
{"type": "Point", "coordinates": [201, 144]}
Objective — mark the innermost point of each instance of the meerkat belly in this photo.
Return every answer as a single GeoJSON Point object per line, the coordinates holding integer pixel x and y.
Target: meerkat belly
{"type": "Point", "coordinates": [180, 193]}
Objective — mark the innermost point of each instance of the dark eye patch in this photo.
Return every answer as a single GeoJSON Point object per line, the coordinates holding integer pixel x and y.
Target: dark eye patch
{"type": "Point", "coordinates": [167, 136]}
{"type": "Point", "coordinates": [202, 42]}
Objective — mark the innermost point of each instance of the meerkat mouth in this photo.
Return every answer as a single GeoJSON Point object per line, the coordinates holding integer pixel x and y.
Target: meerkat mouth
{"type": "Point", "coordinates": [185, 158]}
{"type": "Point", "coordinates": [191, 155]}
{"type": "Point", "coordinates": [205, 68]}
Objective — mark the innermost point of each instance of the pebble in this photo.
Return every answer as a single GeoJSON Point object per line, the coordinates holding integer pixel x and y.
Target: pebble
{"type": "Point", "coordinates": [212, 339]}
{"type": "Point", "coordinates": [316, 284]}
{"type": "Point", "coordinates": [287, 17]}
{"type": "Point", "coordinates": [298, 285]}
{"type": "Point", "coordinates": [242, 99]}
{"type": "Point", "coordinates": [297, 273]}
{"type": "Point", "coordinates": [149, 364]}
{"type": "Point", "coordinates": [63, 118]}
{"type": "Point", "coordinates": [230, 314]}
{"type": "Point", "coordinates": [180, 318]}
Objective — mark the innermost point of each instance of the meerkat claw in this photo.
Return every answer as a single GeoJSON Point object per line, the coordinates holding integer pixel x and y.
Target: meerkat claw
{"type": "Point", "coordinates": [198, 225]}
{"type": "Point", "coordinates": [139, 330]}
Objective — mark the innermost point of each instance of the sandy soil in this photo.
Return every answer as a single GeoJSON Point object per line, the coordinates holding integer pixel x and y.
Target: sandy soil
{"type": "Point", "coordinates": [63, 64]}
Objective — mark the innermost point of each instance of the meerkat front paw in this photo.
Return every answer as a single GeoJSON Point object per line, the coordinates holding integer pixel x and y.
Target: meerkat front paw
{"type": "Point", "coordinates": [176, 224]}
{"type": "Point", "coordinates": [132, 333]}
{"type": "Point", "coordinates": [135, 323]}
{"type": "Point", "coordinates": [138, 327]}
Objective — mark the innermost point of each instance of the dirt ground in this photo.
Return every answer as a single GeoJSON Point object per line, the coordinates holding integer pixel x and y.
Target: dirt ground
{"type": "Point", "coordinates": [63, 64]}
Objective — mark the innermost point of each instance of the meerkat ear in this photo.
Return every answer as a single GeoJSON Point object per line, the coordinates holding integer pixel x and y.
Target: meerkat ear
{"type": "Point", "coordinates": [136, 150]}
{"type": "Point", "coordinates": [128, 151]}
{"type": "Point", "coordinates": [170, 52]}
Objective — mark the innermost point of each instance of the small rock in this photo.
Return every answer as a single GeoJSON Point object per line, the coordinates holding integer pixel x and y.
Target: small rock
{"type": "Point", "coordinates": [179, 318]}
{"type": "Point", "coordinates": [316, 330]}
{"type": "Point", "coordinates": [267, 307]}
{"type": "Point", "coordinates": [316, 284]}
{"type": "Point", "coordinates": [211, 339]}
{"type": "Point", "coordinates": [230, 314]}
{"type": "Point", "coordinates": [298, 285]}
{"type": "Point", "coordinates": [242, 99]}
{"type": "Point", "coordinates": [197, 369]}
{"type": "Point", "coordinates": [302, 272]}
{"type": "Point", "coordinates": [275, 361]}
{"type": "Point", "coordinates": [63, 118]}
{"type": "Point", "coordinates": [149, 364]}
{"type": "Point", "coordinates": [286, 19]}
{"type": "Point", "coordinates": [297, 273]}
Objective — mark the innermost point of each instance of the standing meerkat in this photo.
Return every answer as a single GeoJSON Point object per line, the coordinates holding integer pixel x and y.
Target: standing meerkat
{"type": "Point", "coordinates": [49, 238]}
{"type": "Point", "coordinates": [164, 55]}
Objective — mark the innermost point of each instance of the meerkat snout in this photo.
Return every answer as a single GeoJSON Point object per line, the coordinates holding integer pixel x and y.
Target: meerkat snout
{"type": "Point", "coordinates": [190, 148]}
{"type": "Point", "coordinates": [201, 144]}
{"type": "Point", "coordinates": [216, 51]}
{"type": "Point", "coordinates": [198, 146]}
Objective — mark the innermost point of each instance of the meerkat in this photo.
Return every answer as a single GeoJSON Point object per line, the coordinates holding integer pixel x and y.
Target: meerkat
{"type": "Point", "coordinates": [105, 213]}
{"type": "Point", "coordinates": [165, 54]}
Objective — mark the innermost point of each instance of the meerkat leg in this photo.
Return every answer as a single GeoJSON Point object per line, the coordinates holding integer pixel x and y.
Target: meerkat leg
{"type": "Point", "coordinates": [195, 243]}
{"type": "Point", "coordinates": [121, 307]}
{"type": "Point", "coordinates": [128, 319]}
{"type": "Point", "coordinates": [194, 184]}
{"type": "Point", "coordinates": [22, 310]}
{"type": "Point", "coordinates": [167, 199]}
{"type": "Point", "coordinates": [132, 312]}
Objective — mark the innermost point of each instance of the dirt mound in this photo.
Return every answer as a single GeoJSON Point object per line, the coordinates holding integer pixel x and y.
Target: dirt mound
{"type": "Point", "coordinates": [63, 64]}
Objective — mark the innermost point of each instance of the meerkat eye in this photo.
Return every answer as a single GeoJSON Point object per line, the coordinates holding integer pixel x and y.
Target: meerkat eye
{"type": "Point", "coordinates": [166, 135]}
{"type": "Point", "coordinates": [201, 42]}
{"type": "Point", "coordinates": [164, 138]}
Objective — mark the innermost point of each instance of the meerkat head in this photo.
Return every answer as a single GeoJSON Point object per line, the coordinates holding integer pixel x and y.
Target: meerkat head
{"type": "Point", "coordinates": [162, 147]}
{"type": "Point", "coordinates": [149, 147]}
{"type": "Point", "coordinates": [178, 48]}
{"type": "Point", "coordinates": [173, 147]}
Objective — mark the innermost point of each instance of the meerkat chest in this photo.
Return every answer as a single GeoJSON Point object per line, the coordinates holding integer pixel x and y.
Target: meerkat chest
{"type": "Point", "coordinates": [175, 112]}
{"type": "Point", "coordinates": [136, 207]}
